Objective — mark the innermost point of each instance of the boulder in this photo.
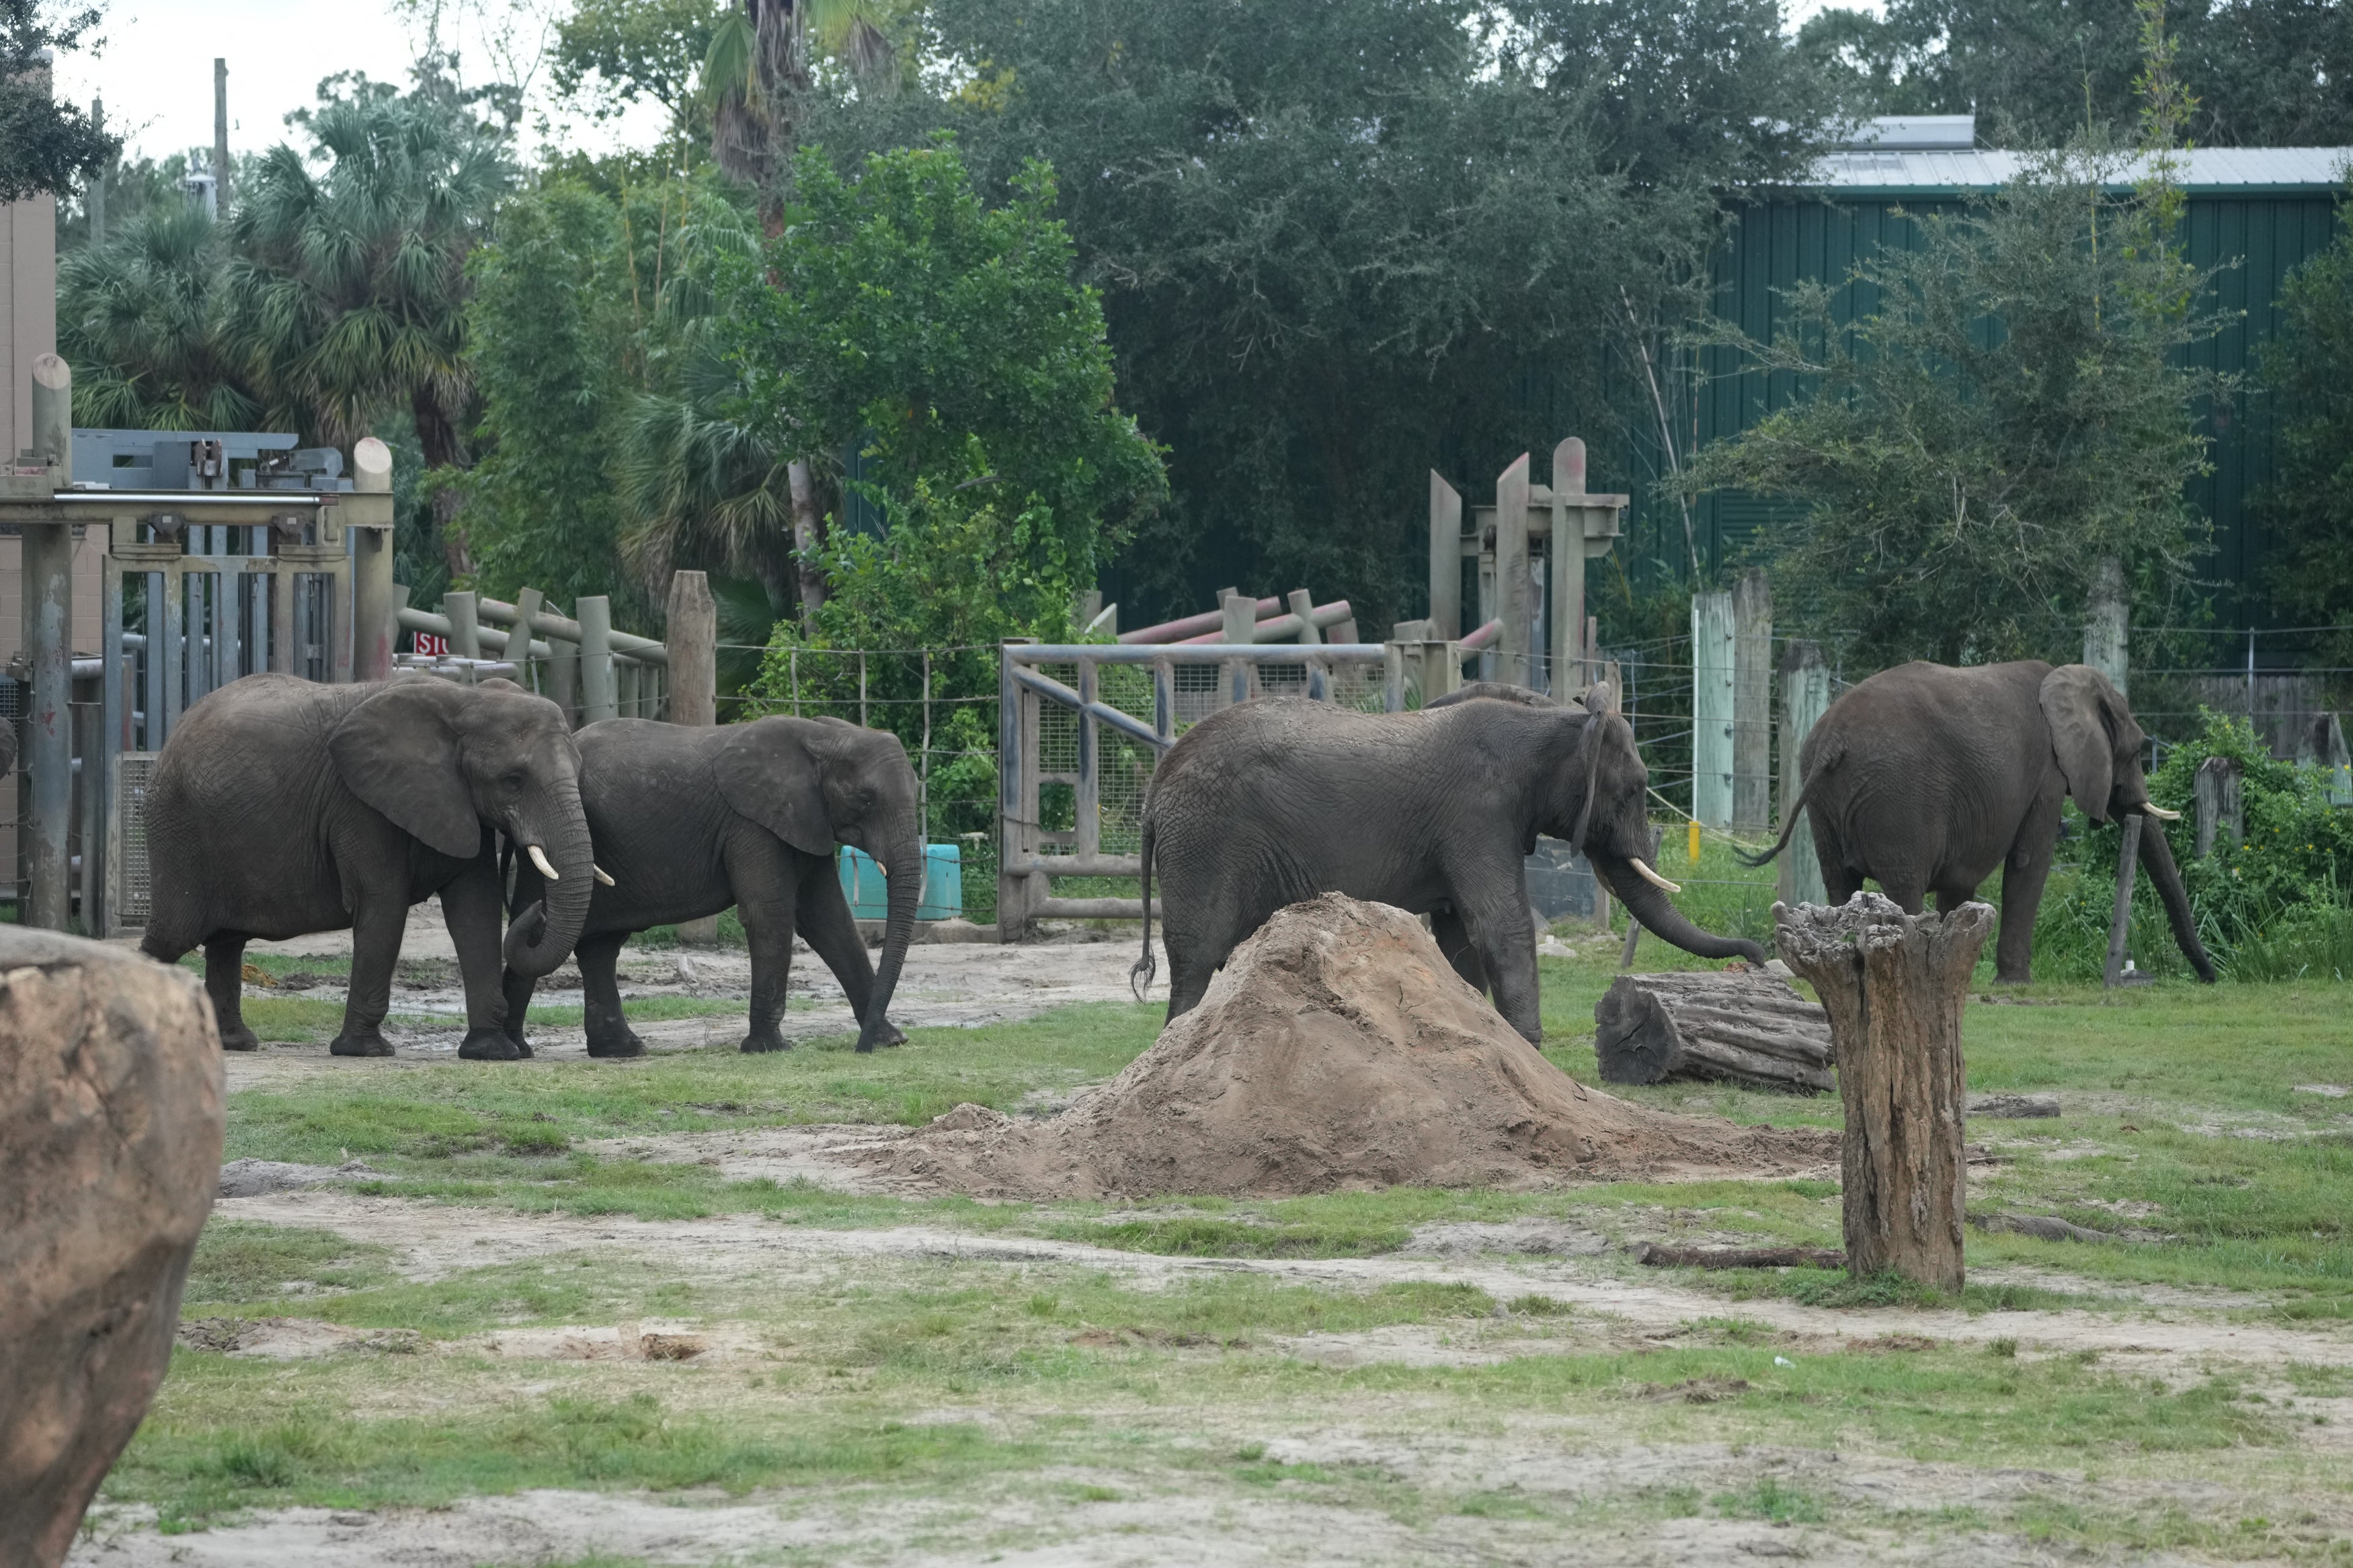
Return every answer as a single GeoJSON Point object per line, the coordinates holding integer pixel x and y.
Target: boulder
{"type": "Point", "coordinates": [110, 1122]}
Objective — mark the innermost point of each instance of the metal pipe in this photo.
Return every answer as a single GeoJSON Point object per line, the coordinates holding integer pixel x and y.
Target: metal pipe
{"type": "Point", "coordinates": [1047, 686]}
{"type": "Point", "coordinates": [1206, 621]}
{"type": "Point", "coordinates": [1285, 629]}
{"type": "Point", "coordinates": [645, 650]}
{"type": "Point", "coordinates": [1198, 653]}
{"type": "Point", "coordinates": [490, 637]}
{"type": "Point", "coordinates": [1483, 636]}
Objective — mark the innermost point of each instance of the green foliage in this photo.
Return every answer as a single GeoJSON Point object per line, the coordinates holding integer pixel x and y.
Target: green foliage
{"type": "Point", "coordinates": [1337, 245]}
{"type": "Point", "coordinates": [546, 312]}
{"type": "Point", "coordinates": [2266, 73]}
{"type": "Point", "coordinates": [2278, 906]}
{"type": "Point", "coordinates": [46, 147]}
{"type": "Point", "coordinates": [619, 52]}
{"type": "Point", "coordinates": [2308, 507]}
{"type": "Point", "coordinates": [143, 320]}
{"type": "Point", "coordinates": [2010, 408]}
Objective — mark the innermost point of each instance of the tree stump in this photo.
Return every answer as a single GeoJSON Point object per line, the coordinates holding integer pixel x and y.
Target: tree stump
{"type": "Point", "coordinates": [1894, 985]}
{"type": "Point", "coordinates": [1752, 1030]}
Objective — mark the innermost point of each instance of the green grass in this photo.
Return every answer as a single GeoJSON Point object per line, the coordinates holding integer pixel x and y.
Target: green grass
{"type": "Point", "coordinates": [240, 1261]}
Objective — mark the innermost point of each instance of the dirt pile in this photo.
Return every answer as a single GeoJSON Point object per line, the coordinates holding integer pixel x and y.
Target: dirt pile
{"type": "Point", "coordinates": [1336, 1050]}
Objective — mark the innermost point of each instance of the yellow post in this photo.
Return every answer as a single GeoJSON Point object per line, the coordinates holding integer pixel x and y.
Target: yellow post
{"type": "Point", "coordinates": [1690, 842]}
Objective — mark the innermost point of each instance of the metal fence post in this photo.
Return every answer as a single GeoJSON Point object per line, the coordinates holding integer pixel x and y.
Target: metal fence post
{"type": "Point", "coordinates": [1016, 798]}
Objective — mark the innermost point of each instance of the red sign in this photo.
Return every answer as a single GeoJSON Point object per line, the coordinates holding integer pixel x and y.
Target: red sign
{"type": "Point", "coordinates": [431, 643]}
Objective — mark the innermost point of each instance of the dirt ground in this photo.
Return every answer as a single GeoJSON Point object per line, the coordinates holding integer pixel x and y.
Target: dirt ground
{"type": "Point", "coordinates": [1572, 1466]}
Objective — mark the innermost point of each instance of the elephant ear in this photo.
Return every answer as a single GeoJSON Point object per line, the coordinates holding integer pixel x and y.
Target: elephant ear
{"type": "Point", "coordinates": [770, 772]}
{"type": "Point", "coordinates": [2076, 702]}
{"type": "Point", "coordinates": [398, 752]}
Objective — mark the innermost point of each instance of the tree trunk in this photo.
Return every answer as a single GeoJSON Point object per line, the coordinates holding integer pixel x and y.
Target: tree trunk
{"type": "Point", "coordinates": [808, 540]}
{"type": "Point", "coordinates": [1894, 985]}
{"type": "Point", "coordinates": [438, 434]}
{"type": "Point", "coordinates": [1752, 1030]}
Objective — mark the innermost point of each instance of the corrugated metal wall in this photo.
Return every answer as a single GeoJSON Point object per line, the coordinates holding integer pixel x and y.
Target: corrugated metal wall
{"type": "Point", "coordinates": [2256, 239]}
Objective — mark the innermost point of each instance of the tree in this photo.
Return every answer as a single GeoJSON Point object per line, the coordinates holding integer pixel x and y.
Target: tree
{"type": "Point", "coordinates": [143, 320]}
{"type": "Point", "coordinates": [1340, 245]}
{"type": "Point", "coordinates": [2307, 506]}
{"type": "Point", "coordinates": [348, 286]}
{"type": "Point", "coordinates": [944, 339]}
{"type": "Point", "coordinates": [2010, 408]}
{"type": "Point", "coordinates": [46, 148]}
{"type": "Point", "coordinates": [628, 50]}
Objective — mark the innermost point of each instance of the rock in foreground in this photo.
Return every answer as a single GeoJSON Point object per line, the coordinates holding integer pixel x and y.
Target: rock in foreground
{"type": "Point", "coordinates": [1336, 1050]}
{"type": "Point", "coordinates": [110, 1119]}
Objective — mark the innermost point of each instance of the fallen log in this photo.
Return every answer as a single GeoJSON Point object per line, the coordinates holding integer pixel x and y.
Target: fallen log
{"type": "Point", "coordinates": [1652, 1255]}
{"type": "Point", "coordinates": [1747, 1028]}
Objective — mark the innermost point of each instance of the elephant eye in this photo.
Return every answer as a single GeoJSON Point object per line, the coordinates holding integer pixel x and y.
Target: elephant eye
{"type": "Point", "coordinates": [513, 780]}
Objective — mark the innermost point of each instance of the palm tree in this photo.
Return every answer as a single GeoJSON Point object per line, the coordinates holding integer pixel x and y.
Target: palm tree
{"type": "Point", "coordinates": [348, 286]}
{"type": "Point", "coordinates": [142, 320]}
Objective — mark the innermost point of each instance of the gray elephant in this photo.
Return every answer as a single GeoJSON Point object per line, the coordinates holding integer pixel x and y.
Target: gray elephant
{"type": "Point", "coordinates": [1272, 802]}
{"type": "Point", "coordinates": [691, 821]}
{"type": "Point", "coordinates": [1927, 779]}
{"type": "Point", "coordinates": [281, 808]}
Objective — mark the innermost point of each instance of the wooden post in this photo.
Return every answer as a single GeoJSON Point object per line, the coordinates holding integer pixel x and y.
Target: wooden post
{"type": "Point", "coordinates": [1805, 697]}
{"type": "Point", "coordinates": [2108, 627]}
{"type": "Point", "coordinates": [1712, 708]}
{"type": "Point", "coordinates": [563, 676]}
{"type": "Point", "coordinates": [1445, 557]}
{"type": "Point", "coordinates": [1514, 587]}
{"type": "Point", "coordinates": [1894, 985]}
{"type": "Point", "coordinates": [1752, 702]}
{"type": "Point", "coordinates": [1017, 795]}
{"type": "Point", "coordinates": [1567, 652]}
{"type": "Point", "coordinates": [374, 629]}
{"type": "Point", "coordinates": [2120, 923]}
{"type": "Point", "coordinates": [692, 638]}
{"type": "Point", "coordinates": [2221, 811]}
{"type": "Point", "coordinates": [599, 698]}
{"type": "Point", "coordinates": [527, 610]}
{"type": "Point", "coordinates": [1240, 630]}
{"type": "Point", "coordinates": [1303, 605]}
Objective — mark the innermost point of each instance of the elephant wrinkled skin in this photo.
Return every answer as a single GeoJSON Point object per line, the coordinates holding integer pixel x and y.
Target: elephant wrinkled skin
{"type": "Point", "coordinates": [281, 806]}
{"type": "Point", "coordinates": [691, 821]}
{"type": "Point", "coordinates": [1927, 779]}
{"type": "Point", "coordinates": [1274, 801]}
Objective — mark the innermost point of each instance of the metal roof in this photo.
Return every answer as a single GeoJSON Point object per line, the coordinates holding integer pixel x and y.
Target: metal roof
{"type": "Point", "coordinates": [2247, 169]}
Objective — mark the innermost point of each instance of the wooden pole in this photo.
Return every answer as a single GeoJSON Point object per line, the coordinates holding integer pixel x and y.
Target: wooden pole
{"type": "Point", "coordinates": [1515, 588]}
{"type": "Point", "coordinates": [692, 638]}
{"type": "Point", "coordinates": [1567, 546]}
{"type": "Point", "coordinates": [1240, 629]}
{"type": "Point", "coordinates": [1805, 697]}
{"type": "Point", "coordinates": [1445, 557]}
{"type": "Point", "coordinates": [1712, 708]}
{"type": "Point", "coordinates": [465, 624]}
{"type": "Point", "coordinates": [2120, 923]}
{"type": "Point", "coordinates": [1752, 702]}
{"type": "Point", "coordinates": [1894, 985]}
{"type": "Point", "coordinates": [600, 698]}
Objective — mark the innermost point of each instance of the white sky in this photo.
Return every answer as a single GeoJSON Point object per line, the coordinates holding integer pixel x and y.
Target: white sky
{"type": "Point", "coordinates": [156, 71]}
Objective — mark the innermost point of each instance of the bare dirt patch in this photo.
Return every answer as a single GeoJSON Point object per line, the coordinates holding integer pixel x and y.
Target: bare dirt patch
{"type": "Point", "coordinates": [1336, 1051]}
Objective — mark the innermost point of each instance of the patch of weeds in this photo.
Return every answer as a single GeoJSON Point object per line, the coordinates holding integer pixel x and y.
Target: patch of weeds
{"type": "Point", "coordinates": [2319, 1382]}
{"type": "Point", "coordinates": [1196, 1235]}
{"type": "Point", "coordinates": [2005, 1347]}
{"type": "Point", "coordinates": [1500, 1505]}
{"type": "Point", "coordinates": [1534, 1306]}
{"type": "Point", "coordinates": [535, 1138]}
{"type": "Point", "coordinates": [1836, 1288]}
{"type": "Point", "coordinates": [1094, 1494]}
{"type": "Point", "coordinates": [1769, 1498]}
{"type": "Point", "coordinates": [243, 1261]}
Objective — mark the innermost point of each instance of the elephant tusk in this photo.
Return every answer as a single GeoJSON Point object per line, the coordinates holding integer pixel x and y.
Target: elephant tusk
{"type": "Point", "coordinates": [539, 859]}
{"type": "Point", "coordinates": [600, 874]}
{"type": "Point", "coordinates": [2162, 815]}
{"type": "Point", "coordinates": [1643, 871]}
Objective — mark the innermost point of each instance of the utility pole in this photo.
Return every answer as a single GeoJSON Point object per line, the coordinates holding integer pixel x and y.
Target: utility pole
{"type": "Point", "coordinates": [220, 137]}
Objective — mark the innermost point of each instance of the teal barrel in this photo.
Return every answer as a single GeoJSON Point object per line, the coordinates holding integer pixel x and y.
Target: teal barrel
{"type": "Point", "coordinates": [869, 891]}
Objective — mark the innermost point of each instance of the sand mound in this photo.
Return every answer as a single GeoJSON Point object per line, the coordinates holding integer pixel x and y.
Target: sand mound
{"type": "Point", "coordinates": [1336, 1050]}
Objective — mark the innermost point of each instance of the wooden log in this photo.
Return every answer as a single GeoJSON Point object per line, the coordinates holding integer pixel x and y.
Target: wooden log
{"type": "Point", "coordinates": [1894, 985]}
{"type": "Point", "coordinates": [1653, 1255]}
{"type": "Point", "coordinates": [1752, 1030]}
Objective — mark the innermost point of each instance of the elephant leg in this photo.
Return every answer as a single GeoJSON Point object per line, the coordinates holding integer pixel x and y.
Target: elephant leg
{"type": "Point", "coordinates": [225, 984]}
{"type": "Point", "coordinates": [518, 989]}
{"type": "Point", "coordinates": [1839, 884]}
{"type": "Point", "coordinates": [831, 931]}
{"type": "Point", "coordinates": [470, 907]}
{"type": "Point", "coordinates": [1910, 892]}
{"type": "Point", "coordinates": [2022, 877]}
{"type": "Point", "coordinates": [609, 1033]}
{"type": "Point", "coordinates": [1506, 941]}
{"type": "Point", "coordinates": [377, 926]}
{"type": "Point", "coordinates": [1453, 939]}
{"type": "Point", "coordinates": [1189, 970]}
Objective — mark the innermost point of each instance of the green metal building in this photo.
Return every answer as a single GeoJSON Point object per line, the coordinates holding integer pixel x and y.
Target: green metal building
{"type": "Point", "coordinates": [2255, 213]}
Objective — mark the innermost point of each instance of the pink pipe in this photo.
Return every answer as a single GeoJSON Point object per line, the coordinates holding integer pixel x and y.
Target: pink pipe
{"type": "Point", "coordinates": [1483, 636]}
{"type": "Point", "coordinates": [1282, 628]}
{"type": "Point", "coordinates": [1208, 620]}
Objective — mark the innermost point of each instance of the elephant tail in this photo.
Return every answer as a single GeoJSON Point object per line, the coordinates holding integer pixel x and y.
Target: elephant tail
{"type": "Point", "coordinates": [1797, 812]}
{"type": "Point", "coordinates": [1140, 976]}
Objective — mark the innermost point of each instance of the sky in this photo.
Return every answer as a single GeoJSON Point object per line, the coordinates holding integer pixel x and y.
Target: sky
{"type": "Point", "coordinates": [156, 70]}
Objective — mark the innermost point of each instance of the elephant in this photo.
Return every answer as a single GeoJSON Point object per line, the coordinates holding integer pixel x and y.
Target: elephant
{"type": "Point", "coordinates": [282, 807]}
{"type": "Point", "coordinates": [1271, 802]}
{"type": "Point", "coordinates": [1926, 778]}
{"type": "Point", "coordinates": [694, 820]}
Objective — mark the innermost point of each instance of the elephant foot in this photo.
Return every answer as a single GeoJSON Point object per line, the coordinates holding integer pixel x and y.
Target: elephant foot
{"type": "Point", "coordinates": [489, 1045]}
{"type": "Point", "coordinates": [618, 1047]}
{"type": "Point", "coordinates": [885, 1034]}
{"type": "Point", "coordinates": [240, 1038]}
{"type": "Point", "coordinates": [768, 1042]}
{"type": "Point", "coordinates": [367, 1043]}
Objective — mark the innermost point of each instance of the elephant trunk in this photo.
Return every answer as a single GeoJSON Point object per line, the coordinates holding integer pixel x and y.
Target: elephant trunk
{"type": "Point", "coordinates": [1648, 905]}
{"type": "Point", "coordinates": [2158, 856]}
{"type": "Point", "coordinates": [906, 868]}
{"type": "Point", "coordinates": [541, 936]}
